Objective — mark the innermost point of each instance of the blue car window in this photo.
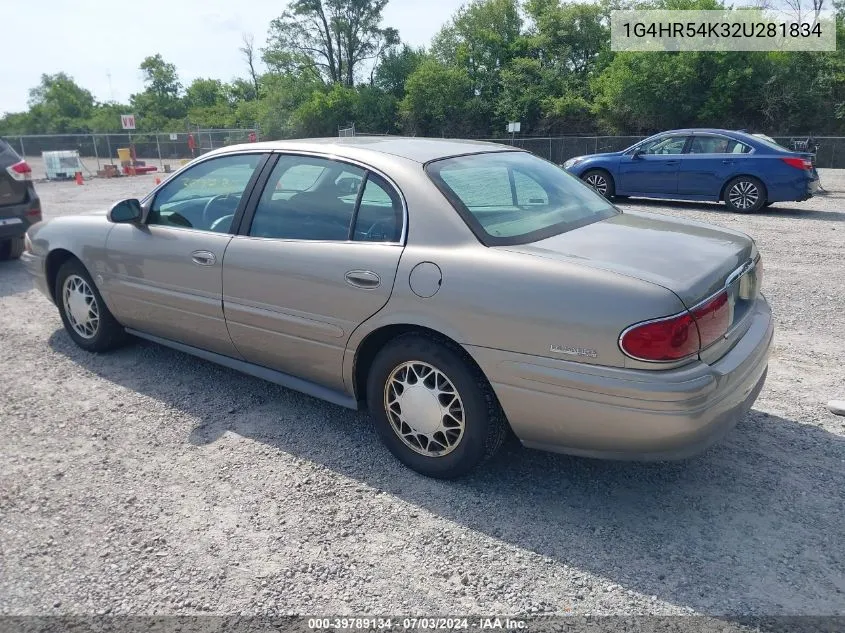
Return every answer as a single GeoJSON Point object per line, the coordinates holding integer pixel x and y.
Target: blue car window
{"type": "Point", "coordinates": [666, 145]}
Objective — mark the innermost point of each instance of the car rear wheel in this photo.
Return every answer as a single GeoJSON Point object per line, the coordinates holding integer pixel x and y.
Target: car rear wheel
{"type": "Point", "coordinates": [11, 249]}
{"type": "Point", "coordinates": [433, 409]}
{"type": "Point", "coordinates": [745, 194]}
{"type": "Point", "coordinates": [601, 181]}
{"type": "Point", "coordinates": [84, 313]}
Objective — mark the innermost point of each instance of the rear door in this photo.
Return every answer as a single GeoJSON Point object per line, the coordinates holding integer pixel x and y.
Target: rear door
{"type": "Point", "coordinates": [655, 170]}
{"type": "Point", "coordinates": [165, 276]}
{"type": "Point", "coordinates": [708, 163]}
{"type": "Point", "coordinates": [316, 256]}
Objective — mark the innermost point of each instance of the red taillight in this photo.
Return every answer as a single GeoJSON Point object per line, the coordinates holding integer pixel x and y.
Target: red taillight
{"type": "Point", "coordinates": [713, 318]}
{"type": "Point", "coordinates": [20, 171]}
{"type": "Point", "coordinates": [666, 339]}
{"type": "Point", "coordinates": [679, 336]}
{"type": "Point", "coordinates": [798, 163]}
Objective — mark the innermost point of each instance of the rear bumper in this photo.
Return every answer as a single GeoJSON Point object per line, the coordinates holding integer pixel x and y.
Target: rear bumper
{"type": "Point", "coordinates": [16, 219]}
{"type": "Point", "coordinates": [613, 413]}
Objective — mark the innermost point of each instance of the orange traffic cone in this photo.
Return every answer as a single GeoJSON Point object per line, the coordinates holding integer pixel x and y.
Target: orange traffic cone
{"type": "Point", "coordinates": [79, 178]}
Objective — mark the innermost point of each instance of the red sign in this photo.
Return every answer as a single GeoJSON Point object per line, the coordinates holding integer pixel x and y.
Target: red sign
{"type": "Point", "coordinates": [127, 121]}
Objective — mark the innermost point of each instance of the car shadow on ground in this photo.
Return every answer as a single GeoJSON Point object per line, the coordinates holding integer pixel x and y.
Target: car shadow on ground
{"type": "Point", "coordinates": [13, 278]}
{"type": "Point", "coordinates": [752, 526]}
{"type": "Point", "coordinates": [778, 210]}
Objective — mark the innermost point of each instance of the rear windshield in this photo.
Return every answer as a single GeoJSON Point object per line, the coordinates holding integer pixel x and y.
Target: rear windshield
{"type": "Point", "coordinates": [515, 197]}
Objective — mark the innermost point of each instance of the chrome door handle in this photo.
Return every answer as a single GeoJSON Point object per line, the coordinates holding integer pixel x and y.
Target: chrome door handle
{"type": "Point", "coordinates": [727, 162]}
{"type": "Point", "coordinates": [203, 258]}
{"type": "Point", "coordinates": [671, 162]}
{"type": "Point", "coordinates": [363, 279]}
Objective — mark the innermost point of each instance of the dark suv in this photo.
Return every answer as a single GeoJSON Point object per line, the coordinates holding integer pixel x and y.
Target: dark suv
{"type": "Point", "coordinates": [20, 207]}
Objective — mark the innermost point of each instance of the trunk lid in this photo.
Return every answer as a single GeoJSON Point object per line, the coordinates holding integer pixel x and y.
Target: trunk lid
{"type": "Point", "coordinates": [692, 259]}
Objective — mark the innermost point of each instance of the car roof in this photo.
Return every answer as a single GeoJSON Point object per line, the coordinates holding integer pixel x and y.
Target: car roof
{"type": "Point", "coordinates": [421, 150]}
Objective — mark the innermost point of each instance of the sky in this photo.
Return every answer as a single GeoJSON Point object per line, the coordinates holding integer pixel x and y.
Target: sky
{"type": "Point", "coordinates": [101, 44]}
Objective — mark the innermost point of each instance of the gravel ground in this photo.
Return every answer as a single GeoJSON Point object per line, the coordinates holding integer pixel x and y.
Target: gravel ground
{"type": "Point", "coordinates": [148, 482]}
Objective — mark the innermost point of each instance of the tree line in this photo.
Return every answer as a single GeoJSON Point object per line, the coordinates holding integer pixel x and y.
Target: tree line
{"type": "Point", "coordinates": [547, 64]}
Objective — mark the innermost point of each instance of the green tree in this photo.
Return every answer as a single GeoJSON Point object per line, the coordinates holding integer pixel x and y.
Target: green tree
{"type": "Point", "coordinates": [481, 38]}
{"type": "Point", "coordinates": [395, 67]}
{"type": "Point", "coordinates": [329, 38]}
{"type": "Point", "coordinates": [161, 101]}
{"type": "Point", "coordinates": [438, 100]}
{"type": "Point", "coordinates": [58, 104]}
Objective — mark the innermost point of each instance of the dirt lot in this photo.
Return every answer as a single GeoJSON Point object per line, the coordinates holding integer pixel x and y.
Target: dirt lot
{"type": "Point", "coordinates": [145, 481]}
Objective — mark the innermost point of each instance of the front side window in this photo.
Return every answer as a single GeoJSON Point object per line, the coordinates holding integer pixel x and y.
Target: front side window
{"type": "Point", "coordinates": [515, 197]}
{"type": "Point", "coordinates": [665, 145]}
{"type": "Point", "coordinates": [206, 196]}
{"type": "Point", "coordinates": [311, 198]}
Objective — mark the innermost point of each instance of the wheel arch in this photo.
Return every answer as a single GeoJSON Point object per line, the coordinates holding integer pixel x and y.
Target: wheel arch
{"type": "Point", "coordinates": [367, 349]}
{"type": "Point", "coordinates": [54, 261]}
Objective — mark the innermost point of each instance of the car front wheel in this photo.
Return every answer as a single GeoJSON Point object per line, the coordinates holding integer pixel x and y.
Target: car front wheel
{"type": "Point", "coordinates": [745, 194]}
{"type": "Point", "coordinates": [84, 313]}
{"type": "Point", "coordinates": [601, 181]}
{"type": "Point", "coordinates": [433, 409]}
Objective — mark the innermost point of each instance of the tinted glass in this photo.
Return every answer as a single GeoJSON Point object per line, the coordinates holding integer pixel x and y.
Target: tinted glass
{"type": "Point", "coordinates": [515, 197]}
{"type": "Point", "coordinates": [205, 196]}
{"type": "Point", "coordinates": [665, 145]}
{"type": "Point", "coordinates": [717, 145]}
{"type": "Point", "coordinates": [307, 198]}
{"type": "Point", "coordinates": [379, 217]}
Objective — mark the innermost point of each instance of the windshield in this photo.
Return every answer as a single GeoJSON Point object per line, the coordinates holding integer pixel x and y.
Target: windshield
{"type": "Point", "coordinates": [515, 197]}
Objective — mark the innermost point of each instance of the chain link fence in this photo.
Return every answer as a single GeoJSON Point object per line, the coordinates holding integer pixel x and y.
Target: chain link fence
{"type": "Point", "coordinates": [155, 148]}
{"type": "Point", "coordinates": [159, 148]}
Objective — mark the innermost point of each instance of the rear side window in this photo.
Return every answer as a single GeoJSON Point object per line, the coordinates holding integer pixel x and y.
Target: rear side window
{"type": "Point", "coordinates": [7, 152]}
{"type": "Point", "coordinates": [717, 145]}
{"type": "Point", "coordinates": [515, 197]}
{"type": "Point", "coordinates": [312, 198]}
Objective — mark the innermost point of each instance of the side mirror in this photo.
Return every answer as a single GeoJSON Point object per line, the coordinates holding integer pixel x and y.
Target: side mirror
{"type": "Point", "coordinates": [638, 153]}
{"type": "Point", "coordinates": [126, 211]}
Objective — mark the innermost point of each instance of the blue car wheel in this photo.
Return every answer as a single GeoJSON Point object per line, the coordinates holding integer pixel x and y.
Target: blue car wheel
{"type": "Point", "coordinates": [601, 181]}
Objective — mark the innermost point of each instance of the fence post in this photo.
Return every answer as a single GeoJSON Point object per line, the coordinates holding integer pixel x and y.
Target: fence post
{"type": "Point", "coordinates": [23, 152]}
{"type": "Point", "coordinates": [96, 153]}
{"type": "Point", "coordinates": [108, 147]}
{"type": "Point", "coordinates": [158, 148]}
{"type": "Point", "coordinates": [596, 151]}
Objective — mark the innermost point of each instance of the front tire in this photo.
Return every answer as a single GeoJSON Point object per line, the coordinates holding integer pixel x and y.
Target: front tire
{"type": "Point", "coordinates": [601, 181]}
{"type": "Point", "coordinates": [433, 408]}
{"type": "Point", "coordinates": [84, 313]}
{"type": "Point", "coordinates": [745, 194]}
{"type": "Point", "coordinates": [11, 249]}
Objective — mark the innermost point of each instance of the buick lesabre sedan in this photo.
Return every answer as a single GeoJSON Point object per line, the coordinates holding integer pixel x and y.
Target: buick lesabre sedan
{"type": "Point", "coordinates": [456, 289]}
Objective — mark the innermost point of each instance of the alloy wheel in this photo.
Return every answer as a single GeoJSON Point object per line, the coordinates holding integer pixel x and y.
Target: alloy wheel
{"type": "Point", "coordinates": [424, 408]}
{"type": "Point", "coordinates": [598, 182]}
{"type": "Point", "coordinates": [744, 194]}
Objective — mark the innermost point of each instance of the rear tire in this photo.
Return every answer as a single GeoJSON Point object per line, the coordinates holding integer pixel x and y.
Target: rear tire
{"type": "Point", "coordinates": [745, 194]}
{"type": "Point", "coordinates": [601, 181]}
{"type": "Point", "coordinates": [11, 249]}
{"type": "Point", "coordinates": [84, 313]}
{"type": "Point", "coordinates": [433, 408]}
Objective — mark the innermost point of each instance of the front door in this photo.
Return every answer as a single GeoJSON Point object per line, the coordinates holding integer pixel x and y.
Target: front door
{"type": "Point", "coordinates": [164, 277]}
{"type": "Point", "coordinates": [318, 256]}
{"type": "Point", "coordinates": [653, 168]}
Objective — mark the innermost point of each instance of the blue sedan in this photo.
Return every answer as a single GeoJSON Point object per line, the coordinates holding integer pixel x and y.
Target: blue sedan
{"type": "Point", "coordinates": [746, 171]}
